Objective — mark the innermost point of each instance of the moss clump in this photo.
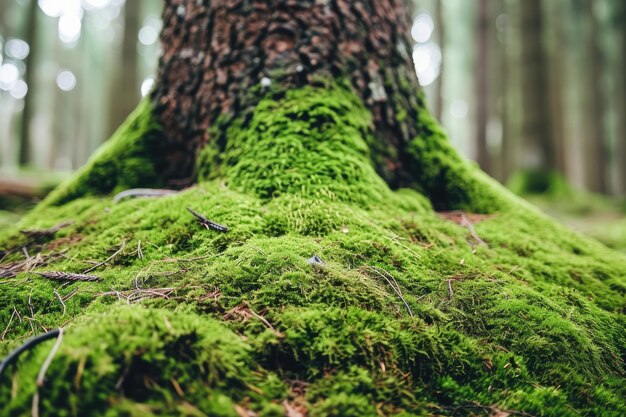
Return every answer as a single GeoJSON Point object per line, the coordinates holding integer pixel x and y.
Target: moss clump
{"type": "Point", "coordinates": [407, 314]}
{"type": "Point", "coordinates": [129, 159]}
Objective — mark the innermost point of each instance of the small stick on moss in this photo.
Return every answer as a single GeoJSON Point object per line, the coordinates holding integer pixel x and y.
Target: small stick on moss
{"type": "Point", "coordinates": [393, 284]}
{"type": "Point", "coordinates": [98, 265]}
{"type": "Point", "coordinates": [143, 192]}
{"type": "Point", "coordinates": [450, 290]}
{"type": "Point", "coordinates": [4, 333]}
{"type": "Point", "coordinates": [206, 222]}
{"type": "Point", "coordinates": [61, 301]}
{"type": "Point", "coordinates": [139, 251]}
{"type": "Point", "coordinates": [42, 372]}
{"type": "Point", "coordinates": [470, 226]}
{"type": "Point", "coordinates": [67, 276]}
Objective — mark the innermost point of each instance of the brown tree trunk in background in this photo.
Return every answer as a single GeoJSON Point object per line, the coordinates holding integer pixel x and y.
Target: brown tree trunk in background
{"type": "Point", "coordinates": [621, 102]}
{"type": "Point", "coordinates": [556, 67]}
{"type": "Point", "coordinates": [482, 85]}
{"type": "Point", "coordinates": [538, 148]}
{"type": "Point", "coordinates": [596, 160]}
{"type": "Point", "coordinates": [126, 94]}
{"type": "Point", "coordinates": [30, 38]}
{"type": "Point", "coordinates": [218, 57]}
{"type": "Point", "coordinates": [441, 38]}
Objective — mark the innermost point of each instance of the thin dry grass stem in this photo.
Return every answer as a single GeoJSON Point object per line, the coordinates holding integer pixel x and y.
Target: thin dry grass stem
{"type": "Point", "coordinates": [98, 265]}
{"type": "Point", "coordinates": [6, 330]}
{"type": "Point", "coordinates": [138, 295]}
{"type": "Point", "coordinates": [245, 311]}
{"type": "Point", "coordinates": [11, 269]}
{"type": "Point", "coordinates": [470, 226]}
{"type": "Point", "coordinates": [42, 373]}
{"type": "Point", "coordinates": [61, 301]}
{"type": "Point", "coordinates": [393, 284]}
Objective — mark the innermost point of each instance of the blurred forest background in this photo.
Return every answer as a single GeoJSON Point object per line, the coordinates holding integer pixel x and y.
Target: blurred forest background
{"type": "Point", "coordinates": [533, 90]}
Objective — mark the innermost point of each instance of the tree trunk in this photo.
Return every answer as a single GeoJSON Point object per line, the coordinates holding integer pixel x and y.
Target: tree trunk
{"type": "Point", "coordinates": [596, 161]}
{"type": "Point", "coordinates": [292, 280]}
{"type": "Point", "coordinates": [483, 67]}
{"type": "Point", "coordinates": [30, 38]}
{"type": "Point", "coordinates": [125, 94]}
{"type": "Point", "coordinates": [536, 120]}
{"type": "Point", "coordinates": [219, 57]}
{"type": "Point", "coordinates": [440, 31]}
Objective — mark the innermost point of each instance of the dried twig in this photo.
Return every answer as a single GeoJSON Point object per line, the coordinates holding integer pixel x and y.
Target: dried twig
{"type": "Point", "coordinates": [470, 226]}
{"type": "Point", "coordinates": [4, 333]}
{"type": "Point", "coordinates": [10, 270]}
{"type": "Point", "coordinates": [466, 220]}
{"type": "Point", "coordinates": [61, 300]}
{"type": "Point", "coordinates": [139, 251]}
{"type": "Point", "coordinates": [67, 276]}
{"type": "Point", "coordinates": [206, 222]}
{"type": "Point", "coordinates": [143, 192]}
{"type": "Point", "coordinates": [450, 289]}
{"type": "Point", "coordinates": [98, 265]}
{"type": "Point", "coordinates": [245, 311]}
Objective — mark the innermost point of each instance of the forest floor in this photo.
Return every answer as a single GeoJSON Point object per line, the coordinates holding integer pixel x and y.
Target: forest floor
{"type": "Point", "coordinates": [596, 216]}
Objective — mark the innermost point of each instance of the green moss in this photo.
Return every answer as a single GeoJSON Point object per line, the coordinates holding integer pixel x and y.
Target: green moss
{"type": "Point", "coordinates": [407, 315]}
{"type": "Point", "coordinates": [129, 159]}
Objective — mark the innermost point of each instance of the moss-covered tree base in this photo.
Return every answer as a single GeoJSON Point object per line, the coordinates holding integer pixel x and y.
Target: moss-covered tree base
{"type": "Point", "coordinates": [404, 313]}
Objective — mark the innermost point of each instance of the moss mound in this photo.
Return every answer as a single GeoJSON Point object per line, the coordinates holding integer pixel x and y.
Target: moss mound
{"type": "Point", "coordinates": [330, 294]}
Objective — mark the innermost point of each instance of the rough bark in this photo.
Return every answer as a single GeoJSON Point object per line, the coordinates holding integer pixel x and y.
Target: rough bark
{"type": "Point", "coordinates": [218, 57]}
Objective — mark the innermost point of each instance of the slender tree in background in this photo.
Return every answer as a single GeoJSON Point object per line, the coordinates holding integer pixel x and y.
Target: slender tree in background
{"type": "Point", "coordinates": [440, 33]}
{"type": "Point", "coordinates": [30, 28]}
{"type": "Point", "coordinates": [483, 75]}
{"type": "Point", "coordinates": [125, 93]}
{"type": "Point", "coordinates": [556, 67]}
{"type": "Point", "coordinates": [304, 270]}
{"type": "Point", "coordinates": [596, 161]}
{"type": "Point", "coordinates": [620, 39]}
{"type": "Point", "coordinates": [538, 146]}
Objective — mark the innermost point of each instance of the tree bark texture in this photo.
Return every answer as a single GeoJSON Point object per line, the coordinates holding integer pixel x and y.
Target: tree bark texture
{"type": "Point", "coordinates": [220, 56]}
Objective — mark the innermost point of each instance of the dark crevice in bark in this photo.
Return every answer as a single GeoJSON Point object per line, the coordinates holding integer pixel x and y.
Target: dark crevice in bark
{"type": "Point", "coordinates": [219, 57]}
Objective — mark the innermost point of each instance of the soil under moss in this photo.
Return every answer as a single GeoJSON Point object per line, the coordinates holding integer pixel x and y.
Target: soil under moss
{"type": "Point", "coordinates": [405, 312]}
